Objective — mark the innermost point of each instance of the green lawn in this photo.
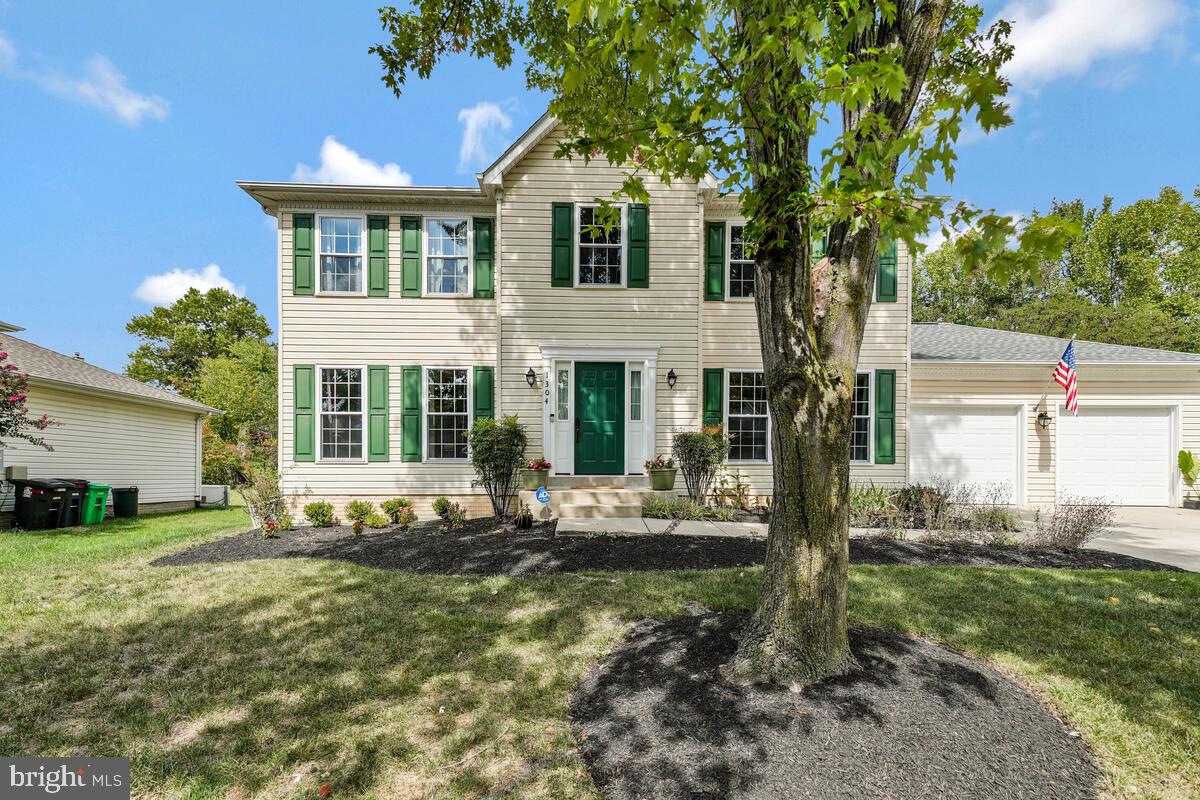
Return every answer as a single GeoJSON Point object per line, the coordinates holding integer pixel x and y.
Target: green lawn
{"type": "Point", "coordinates": [266, 679]}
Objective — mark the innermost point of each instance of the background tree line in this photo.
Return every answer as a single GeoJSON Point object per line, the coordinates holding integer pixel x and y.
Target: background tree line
{"type": "Point", "coordinates": [1128, 276]}
{"type": "Point", "coordinates": [212, 347]}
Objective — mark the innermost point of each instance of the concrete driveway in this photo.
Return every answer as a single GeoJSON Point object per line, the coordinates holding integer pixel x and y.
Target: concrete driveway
{"type": "Point", "coordinates": [1168, 535]}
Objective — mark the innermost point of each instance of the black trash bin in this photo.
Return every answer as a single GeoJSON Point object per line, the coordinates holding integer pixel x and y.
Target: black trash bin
{"type": "Point", "coordinates": [72, 512]}
{"type": "Point", "coordinates": [39, 503]}
{"type": "Point", "coordinates": [125, 502]}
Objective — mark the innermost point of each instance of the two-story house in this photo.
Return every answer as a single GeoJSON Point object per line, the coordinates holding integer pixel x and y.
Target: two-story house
{"type": "Point", "coordinates": [407, 312]}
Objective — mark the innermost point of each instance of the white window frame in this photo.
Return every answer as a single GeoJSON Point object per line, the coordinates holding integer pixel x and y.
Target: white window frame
{"type": "Point", "coordinates": [870, 419]}
{"type": "Point", "coordinates": [725, 418]}
{"type": "Point", "coordinates": [569, 368]}
{"type": "Point", "coordinates": [575, 245]}
{"type": "Point", "coordinates": [362, 383]}
{"type": "Point", "coordinates": [425, 254]}
{"type": "Point", "coordinates": [320, 215]}
{"type": "Point", "coordinates": [425, 457]}
{"type": "Point", "coordinates": [641, 401]}
{"type": "Point", "coordinates": [729, 224]}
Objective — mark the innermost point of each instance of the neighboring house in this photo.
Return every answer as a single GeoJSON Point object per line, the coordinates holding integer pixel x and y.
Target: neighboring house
{"type": "Point", "coordinates": [112, 429]}
{"type": "Point", "coordinates": [407, 312]}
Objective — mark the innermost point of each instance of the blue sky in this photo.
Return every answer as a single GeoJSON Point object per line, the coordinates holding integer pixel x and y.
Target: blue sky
{"type": "Point", "coordinates": [126, 124]}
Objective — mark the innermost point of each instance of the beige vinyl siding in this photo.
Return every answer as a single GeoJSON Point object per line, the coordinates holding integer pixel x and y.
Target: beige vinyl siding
{"type": "Point", "coordinates": [1009, 385]}
{"type": "Point", "coordinates": [729, 332]}
{"type": "Point", "coordinates": [113, 441]}
{"type": "Point", "coordinates": [534, 312]}
{"type": "Point", "coordinates": [326, 330]}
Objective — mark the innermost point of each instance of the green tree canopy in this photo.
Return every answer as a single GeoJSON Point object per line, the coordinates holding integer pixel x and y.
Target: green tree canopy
{"type": "Point", "coordinates": [177, 338]}
{"type": "Point", "coordinates": [1126, 276]}
{"type": "Point", "coordinates": [243, 384]}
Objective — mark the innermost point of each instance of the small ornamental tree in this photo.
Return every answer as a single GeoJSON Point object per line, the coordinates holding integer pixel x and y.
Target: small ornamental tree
{"type": "Point", "coordinates": [15, 420]}
{"type": "Point", "coordinates": [700, 455]}
{"type": "Point", "coordinates": [830, 118]}
{"type": "Point", "coordinates": [497, 452]}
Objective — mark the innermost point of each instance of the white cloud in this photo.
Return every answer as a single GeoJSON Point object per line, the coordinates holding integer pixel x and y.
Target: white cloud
{"type": "Point", "coordinates": [101, 86]}
{"type": "Point", "coordinates": [483, 126]}
{"type": "Point", "coordinates": [340, 164]}
{"type": "Point", "coordinates": [1062, 38]}
{"type": "Point", "coordinates": [164, 289]}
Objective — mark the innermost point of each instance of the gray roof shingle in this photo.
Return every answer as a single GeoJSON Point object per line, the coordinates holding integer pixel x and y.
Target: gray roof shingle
{"type": "Point", "coordinates": [45, 364]}
{"type": "Point", "coordinates": [946, 341]}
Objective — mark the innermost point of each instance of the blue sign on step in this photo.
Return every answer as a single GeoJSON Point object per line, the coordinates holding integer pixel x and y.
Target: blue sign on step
{"type": "Point", "coordinates": [542, 495]}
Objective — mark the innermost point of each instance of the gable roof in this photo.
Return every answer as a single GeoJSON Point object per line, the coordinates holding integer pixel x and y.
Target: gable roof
{"type": "Point", "coordinates": [949, 342]}
{"type": "Point", "coordinates": [47, 366]}
{"type": "Point", "coordinates": [533, 135]}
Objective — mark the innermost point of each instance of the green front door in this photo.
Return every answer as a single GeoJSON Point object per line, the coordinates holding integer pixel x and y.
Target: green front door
{"type": "Point", "coordinates": [599, 419]}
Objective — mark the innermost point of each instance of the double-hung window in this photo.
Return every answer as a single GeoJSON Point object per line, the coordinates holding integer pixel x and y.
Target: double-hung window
{"type": "Point", "coordinates": [741, 263]}
{"type": "Point", "coordinates": [447, 413]}
{"type": "Point", "coordinates": [447, 256]}
{"type": "Point", "coordinates": [341, 414]}
{"type": "Point", "coordinates": [341, 255]}
{"type": "Point", "coordinates": [860, 433]}
{"type": "Point", "coordinates": [749, 423]}
{"type": "Point", "coordinates": [601, 250]}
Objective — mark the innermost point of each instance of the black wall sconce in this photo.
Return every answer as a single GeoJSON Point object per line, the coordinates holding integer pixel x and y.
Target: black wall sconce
{"type": "Point", "coordinates": [671, 378]}
{"type": "Point", "coordinates": [531, 378]}
{"type": "Point", "coordinates": [1043, 419]}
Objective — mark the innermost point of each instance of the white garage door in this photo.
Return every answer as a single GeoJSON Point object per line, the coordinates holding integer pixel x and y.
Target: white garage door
{"type": "Point", "coordinates": [966, 444]}
{"type": "Point", "coordinates": [1123, 455]}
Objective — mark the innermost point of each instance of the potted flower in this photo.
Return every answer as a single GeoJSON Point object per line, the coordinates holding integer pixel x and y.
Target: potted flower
{"type": "Point", "coordinates": [534, 473]}
{"type": "Point", "coordinates": [662, 473]}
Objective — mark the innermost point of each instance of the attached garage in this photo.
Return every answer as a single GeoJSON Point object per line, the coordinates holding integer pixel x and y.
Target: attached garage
{"type": "Point", "coordinates": [979, 445]}
{"type": "Point", "coordinates": [983, 410]}
{"type": "Point", "coordinates": [1122, 453]}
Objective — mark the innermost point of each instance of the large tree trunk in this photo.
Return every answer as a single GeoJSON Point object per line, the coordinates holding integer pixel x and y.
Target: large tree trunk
{"type": "Point", "coordinates": [811, 322]}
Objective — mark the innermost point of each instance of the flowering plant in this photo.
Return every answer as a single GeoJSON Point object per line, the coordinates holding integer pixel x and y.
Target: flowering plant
{"type": "Point", "coordinates": [270, 529]}
{"type": "Point", "coordinates": [539, 464]}
{"type": "Point", "coordinates": [660, 462]}
{"type": "Point", "coordinates": [15, 420]}
{"type": "Point", "coordinates": [357, 527]}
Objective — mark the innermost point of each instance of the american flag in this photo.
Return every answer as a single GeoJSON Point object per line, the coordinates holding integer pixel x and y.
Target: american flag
{"type": "Point", "coordinates": [1064, 376]}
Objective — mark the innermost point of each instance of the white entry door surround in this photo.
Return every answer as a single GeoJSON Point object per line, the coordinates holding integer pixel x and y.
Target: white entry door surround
{"type": "Point", "coordinates": [558, 439]}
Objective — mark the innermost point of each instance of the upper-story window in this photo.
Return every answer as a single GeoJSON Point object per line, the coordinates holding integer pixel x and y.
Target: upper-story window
{"type": "Point", "coordinates": [341, 255]}
{"type": "Point", "coordinates": [741, 263]}
{"type": "Point", "coordinates": [601, 250]}
{"type": "Point", "coordinates": [447, 256]}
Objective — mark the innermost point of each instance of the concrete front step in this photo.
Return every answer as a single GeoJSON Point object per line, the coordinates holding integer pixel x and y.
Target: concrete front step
{"type": "Point", "coordinates": [561, 482]}
{"type": "Point", "coordinates": [591, 503]}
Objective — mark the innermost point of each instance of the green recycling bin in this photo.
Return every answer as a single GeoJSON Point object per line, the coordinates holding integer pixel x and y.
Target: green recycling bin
{"type": "Point", "coordinates": [125, 502]}
{"type": "Point", "coordinates": [94, 502]}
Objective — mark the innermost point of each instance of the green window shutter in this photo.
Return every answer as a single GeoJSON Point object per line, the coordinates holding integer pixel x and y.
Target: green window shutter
{"type": "Point", "coordinates": [304, 416]}
{"type": "Point", "coordinates": [485, 392]}
{"type": "Point", "coordinates": [377, 413]}
{"type": "Point", "coordinates": [410, 256]}
{"type": "Point", "coordinates": [377, 256]}
{"type": "Point", "coordinates": [714, 261]}
{"type": "Point", "coordinates": [562, 238]}
{"type": "Point", "coordinates": [484, 257]}
{"type": "Point", "coordinates": [303, 280]}
{"type": "Point", "coordinates": [885, 272]}
{"type": "Point", "coordinates": [885, 416]}
{"type": "Point", "coordinates": [410, 391]}
{"type": "Point", "coordinates": [639, 247]}
{"type": "Point", "coordinates": [714, 396]}
{"type": "Point", "coordinates": [819, 246]}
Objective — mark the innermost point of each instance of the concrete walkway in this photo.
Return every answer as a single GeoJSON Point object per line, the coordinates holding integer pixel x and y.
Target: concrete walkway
{"type": "Point", "coordinates": [1167, 535]}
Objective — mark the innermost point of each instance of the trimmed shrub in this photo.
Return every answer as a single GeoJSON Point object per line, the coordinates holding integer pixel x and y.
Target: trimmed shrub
{"type": "Point", "coordinates": [393, 508]}
{"type": "Point", "coordinates": [405, 519]}
{"type": "Point", "coordinates": [923, 505]}
{"type": "Point", "coordinates": [454, 518]}
{"type": "Point", "coordinates": [700, 455]}
{"type": "Point", "coordinates": [319, 514]}
{"type": "Point", "coordinates": [358, 510]}
{"type": "Point", "coordinates": [440, 506]}
{"type": "Point", "coordinates": [497, 450]}
{"type": "Point", "coordinates": [376, 520]}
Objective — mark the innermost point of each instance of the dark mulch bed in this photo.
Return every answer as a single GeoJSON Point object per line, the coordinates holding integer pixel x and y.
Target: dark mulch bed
{"type": "Point", "coordinates": [483, 547]}
{"type": "Point", "coordinates": [914, 721]}
{"type": "Point", "coordinates": [486, 546]}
